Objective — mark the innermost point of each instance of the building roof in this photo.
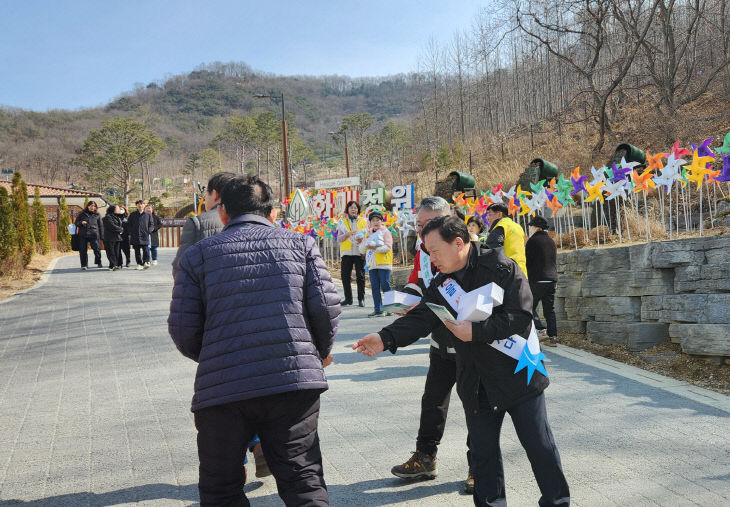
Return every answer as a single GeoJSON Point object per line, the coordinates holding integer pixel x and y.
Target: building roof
{"type": "Point", "coordinates": [48, 191]}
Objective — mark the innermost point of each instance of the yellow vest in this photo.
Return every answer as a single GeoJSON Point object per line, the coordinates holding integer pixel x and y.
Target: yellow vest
{"type": "Point", "coordinates": [514, 242]}
{"type": "Point", "coordinates": [361, 224]}
{"type": "Point", "coordinates": [384, 258]}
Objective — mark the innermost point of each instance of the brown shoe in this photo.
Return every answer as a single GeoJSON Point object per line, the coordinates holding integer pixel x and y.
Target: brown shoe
{"type": "Point", "coordinates": [469, 484]}
{"type": "Point", "coordinates": [420, 466]}
{"type": "Point", "coordinates": [551, 341]}
{"type": "Point", "coordinates": [262, 467]}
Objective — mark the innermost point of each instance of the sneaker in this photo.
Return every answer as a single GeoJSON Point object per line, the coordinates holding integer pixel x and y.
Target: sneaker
{"type": "Point", "coordinates": [140, 267]}
{"type": "Point", "coordinates": [345, 303]}
{"type": "Point", "coordinates": [542, 334]}
{"type": "Point", "coordinates": [146, 265]}
{"type": "Point", "coordinates": [361, 304]}
{"type": "Point", "coordinates": [376, 314]}
{"type": "Point", "coordinates": [154, 263]}
{"type": "Point", "coordinates": [83, 268]}
{"type": "Point", "coordinates": [98, 265]}
{"type": "Point", "coordinates": [126, 265]}
{"type": "Point", "coordinates": [262, 467]}
{"type": "Point", "coordinates": [420, 466]}
{"type": "Point", "coordinates": [552, 341]}
{"type": "Point", "coordinates": [388, 314]}
{"type": "Point", "coordinates": [469, 484]}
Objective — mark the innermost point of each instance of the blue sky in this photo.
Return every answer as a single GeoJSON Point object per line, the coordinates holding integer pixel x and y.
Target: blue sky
{"type": "Point", "coordinates": [82, 53]}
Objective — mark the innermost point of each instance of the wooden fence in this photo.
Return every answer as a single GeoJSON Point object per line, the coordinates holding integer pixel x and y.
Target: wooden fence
{"type": "Point", "coordinates": [169, 234]}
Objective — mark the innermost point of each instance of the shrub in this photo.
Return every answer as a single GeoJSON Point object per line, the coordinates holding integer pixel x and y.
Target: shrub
{"type": "Point", "coordinates": [23, 228]}
{"type": "Point", "coordinates": [63, 239]}
{"type": "Point", "coordinates": [40, 225]}
{"type": "Point", "coordinates": [8, 239]}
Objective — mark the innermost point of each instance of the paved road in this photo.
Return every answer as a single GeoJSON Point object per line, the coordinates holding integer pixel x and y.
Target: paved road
{"type": "Point", "coordinates": [94, 410]}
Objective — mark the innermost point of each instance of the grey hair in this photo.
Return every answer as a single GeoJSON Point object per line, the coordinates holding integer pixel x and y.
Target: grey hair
{"type": "Point", "coordinates": [434, 203]}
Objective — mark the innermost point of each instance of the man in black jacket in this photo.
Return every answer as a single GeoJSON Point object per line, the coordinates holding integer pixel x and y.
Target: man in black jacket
{"type": "Point", "coordinates": [90, 230]}
{"type": "Point", "coordinates": [140, 225]}
{"type": "Point", "coordinates": [542, 272]}
{"type": "Point", "coordinates": [487, 382]}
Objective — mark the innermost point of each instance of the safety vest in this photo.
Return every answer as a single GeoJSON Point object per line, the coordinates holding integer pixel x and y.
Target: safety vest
{"type": "Point", "coordinates": [514, 242]}
{"type": "Point", "coordinates": [380, 259]}
{"type": "Point", "coordinates": [346, 245]}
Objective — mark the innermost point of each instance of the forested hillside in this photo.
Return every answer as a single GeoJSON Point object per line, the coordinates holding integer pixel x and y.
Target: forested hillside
{"type": "Point", "coordinates": [187, 112]}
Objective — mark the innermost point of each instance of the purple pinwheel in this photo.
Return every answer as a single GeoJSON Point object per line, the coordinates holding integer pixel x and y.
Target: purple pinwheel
{"type": "Point", "coordinates": [335, 232]}
{"type": "Point", "coordinates": [619, 173]}
{"type": "Point", "coordinates": [703, 150]}
{"type": "Point", "coordinates": [725, 171]}
{"type": "Point", "coordinates": [578, 185]}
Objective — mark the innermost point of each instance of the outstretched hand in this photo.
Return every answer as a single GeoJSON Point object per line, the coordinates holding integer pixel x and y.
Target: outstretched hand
{"type": "Point", "coordinates": [461, 329]}
{"type": "Point", "coordinates": [369, 345]}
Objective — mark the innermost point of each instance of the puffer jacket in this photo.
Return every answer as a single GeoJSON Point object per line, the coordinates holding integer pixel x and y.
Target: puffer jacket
{"type": "Point", "coordinates": [196, 228]}
{"type": "Point", "coordinates": [255, 306]}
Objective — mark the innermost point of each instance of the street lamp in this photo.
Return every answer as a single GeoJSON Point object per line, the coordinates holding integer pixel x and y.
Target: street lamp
{"type": "Point", "coordinates": [347, 154]}
{"type": "Point", "coordinates": [285, 172]}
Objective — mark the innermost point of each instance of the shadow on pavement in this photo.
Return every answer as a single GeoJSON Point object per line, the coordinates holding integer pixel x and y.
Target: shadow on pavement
{"type": "Point", "coordinates": [143, 493]}
{"type": "Point", "coordinates": [386, 373]}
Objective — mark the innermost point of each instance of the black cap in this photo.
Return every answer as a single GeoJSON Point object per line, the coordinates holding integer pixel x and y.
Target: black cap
{"type": "Point", "coordinates": [539, 221]}
{"type": "Point", "coordinates": [375, 214]}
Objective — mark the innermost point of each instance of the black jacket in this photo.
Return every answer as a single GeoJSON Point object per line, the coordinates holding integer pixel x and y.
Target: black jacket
{"type": "Point", "coordinates": [154, 235]}
{"type": "Point", "coordinates": [93, 228]}
{"type": "Point", "coordinates": [112, 228]}
{"type": "Point", "coordinates": [479, 364]}
{"type": "Point", "coordinates": [140, 226]}
{"type": "Point", "coordinates": [542, 258]}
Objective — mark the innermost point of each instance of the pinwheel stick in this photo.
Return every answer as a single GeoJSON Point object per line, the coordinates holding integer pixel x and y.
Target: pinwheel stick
{"type": "Point", "coordinates": [618, 220]}
{"type": "Point", "coordinates": [646, 213]}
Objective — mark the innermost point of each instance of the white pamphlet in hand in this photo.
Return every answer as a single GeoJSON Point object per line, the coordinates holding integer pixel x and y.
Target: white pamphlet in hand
{"type": "Point", "coordinates": [477, 305]}
{"type": "Point", "coordinates": [394, 301]}
{"type": "Point", "coordinates": [441, 312]}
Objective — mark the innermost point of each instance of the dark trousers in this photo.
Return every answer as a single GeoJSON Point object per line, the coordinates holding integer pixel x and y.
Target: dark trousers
{"type": "Point", "coordinates": [84, 255]}
{"type": "Point", "coordinates": [287, 426]}
{"type": "Point", "coordinates": [544, 292]}
{"type": "Point", "coordinates": [533, 430]}
{"type": "Point", "coordinates": [141, 254]}
{"type": "Point", "coordinates": [440, 381]}
{"type": "Point", "coordinates": [113, 253]}
{"type": "Point", "coordinates": [125, 250]}
{"type": "Point", "coordinates": [379, 280]}
{"type": "Point", "coordinates": [346, 264]}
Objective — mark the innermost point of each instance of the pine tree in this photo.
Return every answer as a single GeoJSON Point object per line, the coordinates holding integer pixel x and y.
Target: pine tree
{"type": "Point", "coordinates": [8, 240]}
{"type": "Point", "coordinates": [86, 201]}
{"type": "Point", "coordinates": [63, 239]}
{"type": "Point", "coordinates": [23, 226]}
{"type": "Point", "coordinates": [40, 224]}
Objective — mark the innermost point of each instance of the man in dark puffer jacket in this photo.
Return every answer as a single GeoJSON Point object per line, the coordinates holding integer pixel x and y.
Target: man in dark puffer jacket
{"type": "Point", "coordinates": [255, 306]}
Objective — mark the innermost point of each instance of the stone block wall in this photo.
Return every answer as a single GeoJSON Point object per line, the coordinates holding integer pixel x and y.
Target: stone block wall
{"type": "Point", "coordinates": [641, 295]}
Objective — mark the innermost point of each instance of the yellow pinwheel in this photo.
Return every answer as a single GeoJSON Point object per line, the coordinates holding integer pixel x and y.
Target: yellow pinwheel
{"type": "Point", "coordinates": [594, 191]}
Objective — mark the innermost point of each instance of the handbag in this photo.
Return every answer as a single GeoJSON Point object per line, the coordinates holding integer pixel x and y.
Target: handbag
{"type": "Point", "coordinates": [75, 242]}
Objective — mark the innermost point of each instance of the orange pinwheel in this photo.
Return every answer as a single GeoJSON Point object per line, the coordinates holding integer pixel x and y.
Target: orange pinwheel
{"type": "Point", "coordinates": [459, 200]}
{"type": "Point", "coordinates": [552, 187]}
{"type": "Point", "coordinates": [554, 205]}
{"type": "Point", "coordinates": [642, 181]}
{"type": "Point", "coordinates": [512, 208]}
{"type": "Point", "coordinates": [576, 173]}
{"type": "Point", "coordinates": [655, 162]}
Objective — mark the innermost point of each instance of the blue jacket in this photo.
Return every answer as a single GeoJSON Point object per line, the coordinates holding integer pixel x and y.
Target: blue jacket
{"type": "Point", "coordinates": [255, 306]}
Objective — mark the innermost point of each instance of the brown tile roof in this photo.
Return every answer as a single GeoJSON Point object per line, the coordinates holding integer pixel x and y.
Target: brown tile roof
{"type": "Point", "coordinates": [47, 191]}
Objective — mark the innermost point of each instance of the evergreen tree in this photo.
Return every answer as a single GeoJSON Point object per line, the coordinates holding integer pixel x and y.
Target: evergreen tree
{"type": "Point", "coordinates": [8, 240]}
{"type": "Point", "coordinates": [40, 225]}
{"type": "Point", "coordinates": [86, 201]}
{"type": "Point", "coordinates": [63, 239]}
{"type": "Point", "coordinates": [23, 226]}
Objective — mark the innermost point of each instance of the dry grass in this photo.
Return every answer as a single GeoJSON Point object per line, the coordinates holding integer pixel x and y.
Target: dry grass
{"type": "Point", "coordinates": [666, 359]}
{"type": "Point", "coordinates": [17, 278]}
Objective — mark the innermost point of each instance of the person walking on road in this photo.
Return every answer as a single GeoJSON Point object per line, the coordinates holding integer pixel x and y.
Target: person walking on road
{"type": "Point", "coordinates": [351, 230]}
{"type": "Point", "coordinates": [124, 246]}
{"type": "Point", "coordinates": [206, 224]}
{"type": "Point", "coordinates": [90, 230]}
{"type": "Point", "coordinates": [154, 233]}
{"type": "Point", "coordinates": [113, 236]}
{"type": "Point", "coordinates": [140, 225]}
{"type": "Point", "coordinates": [542, 270]}
{"type": "Point", "coordinates": [489, 383]}
{"type": "Point", "coordinates": [378, 249]}
{"type": "Point", "coordinates": [260, 318]}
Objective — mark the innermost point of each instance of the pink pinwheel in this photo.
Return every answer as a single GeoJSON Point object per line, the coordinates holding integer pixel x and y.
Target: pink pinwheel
{"type": "Point", "coordinates": [679, 152]}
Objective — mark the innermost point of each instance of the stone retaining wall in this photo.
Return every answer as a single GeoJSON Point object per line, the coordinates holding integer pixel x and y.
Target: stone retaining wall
{"type": "Point", "coordinates": [645, 294]}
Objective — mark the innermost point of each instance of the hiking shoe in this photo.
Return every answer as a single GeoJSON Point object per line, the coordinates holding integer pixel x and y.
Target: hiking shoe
{"type": "Point", "coordinates": [469, 484]}
{"type": "Point", "coordinates": [262, 467]}
{"type": "Point", "coordinates": [552, 341]}
{"type": "Point", "coordinates": [376, 314]}
{"type": "Point", "coordinates": [420, 466]}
